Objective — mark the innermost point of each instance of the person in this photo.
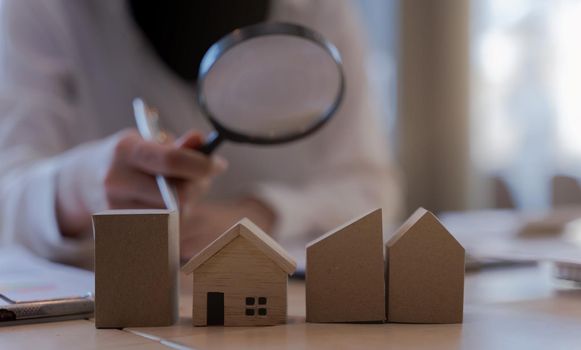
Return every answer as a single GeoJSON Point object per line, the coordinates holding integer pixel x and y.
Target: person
{"type": "Point", "coordinates": [69, 71]}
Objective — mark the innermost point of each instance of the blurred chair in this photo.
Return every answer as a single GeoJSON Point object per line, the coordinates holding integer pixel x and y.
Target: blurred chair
{"type": "Point", "coordinates": [565, 206]}
{"type": "Point", "coordinates": [565, 190]}
{"type": "Point", "coordinates": [502, 196]}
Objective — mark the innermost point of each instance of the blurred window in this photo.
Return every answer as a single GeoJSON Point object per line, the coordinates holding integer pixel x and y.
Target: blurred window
{"type": "Point", "coordinates": [381, 21]}
{"type": "Point", "coordinates": [526, 94]}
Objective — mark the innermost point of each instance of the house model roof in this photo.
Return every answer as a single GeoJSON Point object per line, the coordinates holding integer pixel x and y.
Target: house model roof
{"type": "Point", "coordinates": [425, 218]}
{"type": "Point", "coordinates": [247, 229]}
{"type": "Point", "coordinates": [340, 229]}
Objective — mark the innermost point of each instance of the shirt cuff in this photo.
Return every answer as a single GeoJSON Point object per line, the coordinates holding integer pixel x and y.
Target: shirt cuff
{"type": "Point", "coordinates": [38, 221]}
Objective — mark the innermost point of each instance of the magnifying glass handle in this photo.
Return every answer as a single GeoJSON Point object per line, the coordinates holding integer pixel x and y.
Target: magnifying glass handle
{"type": "Point", "coordinates": [213, 140]}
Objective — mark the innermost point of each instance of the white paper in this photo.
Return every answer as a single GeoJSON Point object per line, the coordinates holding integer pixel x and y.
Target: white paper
{"type": "Point", "coordinates": [26, 277]}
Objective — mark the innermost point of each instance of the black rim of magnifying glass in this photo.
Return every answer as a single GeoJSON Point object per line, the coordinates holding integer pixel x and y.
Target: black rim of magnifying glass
{"type": "Point", "coordinates": [240, 35]}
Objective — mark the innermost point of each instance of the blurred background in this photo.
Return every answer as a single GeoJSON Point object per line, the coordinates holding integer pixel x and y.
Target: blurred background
{"type": "Point", "coordinates": [480, 99]}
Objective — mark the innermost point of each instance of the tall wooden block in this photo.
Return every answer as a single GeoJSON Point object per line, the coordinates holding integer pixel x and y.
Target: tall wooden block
{"type": "Point", "coordinates": [136, 268]}
{"type": "Point", "coordinates": [345, 273]}
{"type": "Point", "coordinates": [425, 273]}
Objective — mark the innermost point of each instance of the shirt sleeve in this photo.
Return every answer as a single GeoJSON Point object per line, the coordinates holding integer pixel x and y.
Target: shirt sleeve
{"type": "Point", "coordinates": [36, 110]}
{"type": "Point", "coordinates": [28, 214]}
{"type": "Point", "coordinates": [352, 171]}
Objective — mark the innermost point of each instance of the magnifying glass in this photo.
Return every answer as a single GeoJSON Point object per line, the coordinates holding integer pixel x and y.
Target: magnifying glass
{"type": "Point", "coordinates": [269, 83]}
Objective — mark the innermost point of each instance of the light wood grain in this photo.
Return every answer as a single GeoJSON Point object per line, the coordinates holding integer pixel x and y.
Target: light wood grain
{"type": "Point", "coordinates": [517, 308]}
{"type": "Point", "coordinates": [252, 233]}
{"type": "Point", "coordinates": [244, 262]}
{"type": "Point", "coordinates": [79, 334]}
{"type": "Point", "coordinates": [240, 270]}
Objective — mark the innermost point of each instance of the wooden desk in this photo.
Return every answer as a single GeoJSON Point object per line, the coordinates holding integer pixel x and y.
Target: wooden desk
{"type": "Point", "coordinates": [516, 308]}
{"type": "Point", "coordinates": [78, 334]}
{"type": "Point", "coordinates": [505, 308]}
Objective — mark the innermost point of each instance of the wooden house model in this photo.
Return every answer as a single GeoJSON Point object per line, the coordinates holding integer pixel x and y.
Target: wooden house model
{"type": "Point", "coordinates": [240, 279]}
{"type": "Point", "coordinates": [345, 273]}
{"type": "Point", "coordinates": [424, 273]}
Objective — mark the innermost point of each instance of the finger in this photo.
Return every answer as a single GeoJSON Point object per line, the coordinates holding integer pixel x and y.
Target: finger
{"type": "Point", "coordinates": [134, 186]}
{"type": "Point", "coordinates": [165, 137]}
{"type": "Point", "coordinates": [174, 162]}
{"type": "Point", "coordinates": [191, 191]}
{"type": "Point", "coordinates": [127, 203]}
{"type": "Point", "coordinates": [194, 140]}
{"type": "Point", "coordinates": [123, 203]}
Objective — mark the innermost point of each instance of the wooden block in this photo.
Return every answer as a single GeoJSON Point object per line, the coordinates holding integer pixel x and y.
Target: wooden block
{"type": "Point", "coordinates": [136, 268]}
{"type": "Point", "coordinates": [240, 279]}
{"type": "Point", "coordinates": [425, 273]}
{"type": "Point", "coordinates": [345, 273]}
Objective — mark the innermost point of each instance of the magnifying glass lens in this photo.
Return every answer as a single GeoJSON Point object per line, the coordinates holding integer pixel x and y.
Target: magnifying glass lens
{"type": "Point", "coordinates": [271, 86]}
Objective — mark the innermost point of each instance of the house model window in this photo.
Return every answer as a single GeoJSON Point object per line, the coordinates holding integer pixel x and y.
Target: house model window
{"type": "Point", "coordinates": [256, 306]}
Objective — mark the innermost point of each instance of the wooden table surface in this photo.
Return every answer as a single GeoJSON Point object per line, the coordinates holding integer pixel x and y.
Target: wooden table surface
{"type": "Point", "coordinates": [516, 308]}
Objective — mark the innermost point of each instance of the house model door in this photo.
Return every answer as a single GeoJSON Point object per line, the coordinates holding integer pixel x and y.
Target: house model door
{"type": "Point", "coordinates": [215, 309]}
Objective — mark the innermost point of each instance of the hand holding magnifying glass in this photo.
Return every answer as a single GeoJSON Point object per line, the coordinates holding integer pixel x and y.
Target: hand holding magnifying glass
{"type": "Point", "coordinates": [269, 83]}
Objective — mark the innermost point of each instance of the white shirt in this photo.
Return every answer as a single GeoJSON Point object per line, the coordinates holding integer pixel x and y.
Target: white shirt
{"type": "Point", "coordinates": [68, 73]}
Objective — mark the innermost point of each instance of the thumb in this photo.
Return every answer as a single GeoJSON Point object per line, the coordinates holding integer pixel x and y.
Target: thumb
{"type": "Point", "coordinates": [192, 139]}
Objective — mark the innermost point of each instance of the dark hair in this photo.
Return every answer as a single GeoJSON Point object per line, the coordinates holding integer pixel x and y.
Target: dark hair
{"type": "Point", "coordinates": [180, 31]}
